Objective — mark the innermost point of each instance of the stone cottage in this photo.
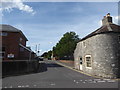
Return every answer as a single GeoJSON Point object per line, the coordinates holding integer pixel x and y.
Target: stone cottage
{"type": "Point", "coordinates": [98, 53]}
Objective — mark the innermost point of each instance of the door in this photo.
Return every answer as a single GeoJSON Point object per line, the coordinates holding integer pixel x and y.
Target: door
{"type": "Point", "coordinates": [81, 62]}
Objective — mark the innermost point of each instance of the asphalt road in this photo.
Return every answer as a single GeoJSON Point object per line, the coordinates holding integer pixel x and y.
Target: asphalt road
{"type": "Point", "coordinates": [57, 76]}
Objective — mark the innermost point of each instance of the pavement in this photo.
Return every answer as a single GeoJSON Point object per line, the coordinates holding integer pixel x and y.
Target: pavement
{"type": "Point", "coordinates": [57, 76]}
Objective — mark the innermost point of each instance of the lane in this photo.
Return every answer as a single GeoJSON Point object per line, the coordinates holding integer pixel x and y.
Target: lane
{"type": "Point", "coordinates": [57, 76]}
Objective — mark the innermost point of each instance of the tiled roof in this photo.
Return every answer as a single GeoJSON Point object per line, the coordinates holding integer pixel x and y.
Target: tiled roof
{"type": "Point", "coordinates": [104, 29]}
{"type": "Point", "coordinates": [9, 28]}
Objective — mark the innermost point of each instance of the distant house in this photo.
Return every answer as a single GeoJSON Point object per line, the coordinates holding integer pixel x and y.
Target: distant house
{"type": "Point", "coordinates": [14, 44]}
{"type": "Point", "coordinates": [99, 52]}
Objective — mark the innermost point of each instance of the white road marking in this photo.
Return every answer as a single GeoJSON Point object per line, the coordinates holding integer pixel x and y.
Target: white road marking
{"type": "Point", "coordinates": [100, 81]}
{"type": "Point", "coordinates": [74, 80]}
{"type": "Point", "coordinates": [22, 86]}
{"type": "Point", "coordinates": [77, 82]}
{"type": "Point", "coordinates": [83, 82]}
{"type": "Point", "coordinates": [19, 86]}
{"type": "Point", "coordinates": [26, 85]}
{"type": "Point", "coordinates": [111, 81]}
{"type": "Point", "coordinates": [52, 84]}
{"type": "Point", "coordinates": [35, 85]}
{"type": "Point", "coordinates": [10, 87]}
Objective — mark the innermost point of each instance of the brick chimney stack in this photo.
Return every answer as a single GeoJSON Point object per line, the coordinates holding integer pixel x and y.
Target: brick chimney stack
{"type": "Point", "coordinates": [107, 19]}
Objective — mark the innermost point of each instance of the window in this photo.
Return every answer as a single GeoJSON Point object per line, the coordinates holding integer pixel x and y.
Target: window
{"type": "Point", "coordinates": [21, 49]}
{"type": "Point", "coordinates": [88, 61]}
{"type": "Point", "coordinates": [3, 34]}
{"type": "Point", "coordinates": [21, 39]}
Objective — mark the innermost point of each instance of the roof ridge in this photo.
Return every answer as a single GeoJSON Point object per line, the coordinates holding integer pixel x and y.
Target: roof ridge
{"type": "Point", "coordinates": [104, 29]}
{"type": "Point", "coordinates": [10, 28]}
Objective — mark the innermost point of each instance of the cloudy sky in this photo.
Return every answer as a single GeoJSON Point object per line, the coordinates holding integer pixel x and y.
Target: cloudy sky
{"type": "Point", "coordinates": [44, 23]}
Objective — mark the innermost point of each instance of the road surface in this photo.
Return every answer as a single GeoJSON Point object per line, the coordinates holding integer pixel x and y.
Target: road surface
{"type": "Point", "coordinates": [57, 76]}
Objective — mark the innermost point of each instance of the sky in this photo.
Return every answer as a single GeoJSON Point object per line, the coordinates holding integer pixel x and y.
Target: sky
{"type": "Point", "coordinates": [44, 23]}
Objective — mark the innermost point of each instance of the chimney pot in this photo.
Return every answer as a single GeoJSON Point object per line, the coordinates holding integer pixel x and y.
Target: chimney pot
{"type": "Point", "coordinates": [107, 19]}
{"type": "Point", "coordinates": [108, 15]}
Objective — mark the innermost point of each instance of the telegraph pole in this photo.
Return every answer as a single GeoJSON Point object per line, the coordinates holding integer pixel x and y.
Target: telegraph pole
{"type": "Point", "coordinates": [38, 49]}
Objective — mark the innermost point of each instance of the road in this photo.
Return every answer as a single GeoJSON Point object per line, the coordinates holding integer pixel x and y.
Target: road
{"type": "Point", "coordinates": [57, 76]}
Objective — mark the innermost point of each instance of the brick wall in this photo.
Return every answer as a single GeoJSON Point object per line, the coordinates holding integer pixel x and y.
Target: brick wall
{"type": "Point", "coordinates": [11, 44]}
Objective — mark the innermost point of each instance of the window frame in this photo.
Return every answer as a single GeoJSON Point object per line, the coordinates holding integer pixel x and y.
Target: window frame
{"type": "Point", "coordinates": [89, 61]}
{"type": "Point", "coordinates": [3, 34]}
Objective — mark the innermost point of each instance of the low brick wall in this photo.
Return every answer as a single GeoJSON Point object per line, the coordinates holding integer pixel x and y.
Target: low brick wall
{"type": "Point", "coordinates": [67, 61]}
{"type": "Point", "coordinates": [12, 67]}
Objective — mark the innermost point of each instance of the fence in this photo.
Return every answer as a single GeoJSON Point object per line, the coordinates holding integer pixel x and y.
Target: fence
{"type": "Point", "coordinates": [12, 67]}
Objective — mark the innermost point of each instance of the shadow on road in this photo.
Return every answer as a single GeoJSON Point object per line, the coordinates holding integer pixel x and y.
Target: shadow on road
{"type": "Point", "coordinates": [43, 67]}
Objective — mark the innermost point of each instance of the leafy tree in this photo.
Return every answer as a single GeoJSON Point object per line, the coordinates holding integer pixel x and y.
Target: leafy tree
{"type": "Point", "coordinates": [64, 49]}
{"type": "Point", "coordinates": [47, 54]}
{"type": "Point", "coordinates": [44, 54]}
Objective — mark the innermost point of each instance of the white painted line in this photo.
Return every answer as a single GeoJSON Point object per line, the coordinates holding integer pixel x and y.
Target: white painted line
{"type": "Point", "coordinates": [111, 81]}
{"type": "Point", "coordinates": [19, 86]}
{"type": "Point", "coordinates": [97, 79]}
{"type": "Point", "coordinates": [77, 82]}
{"type": "Point", "coordinates": [83, 82]}
{"type": "Point", "coordinates": [52, 84]}
{"type": "Point", "coordinates": [35, 85]}
{"type": "Point", "coordinates": [106, 79]}
{"type": "Point", "coordinates": [22, 86]}
{"type": "Point", "coordinates": [100, 81]}
{"type": "Point", "coordinates": [10, 87]}
{"type": "Point", "coordinates": [27, 86]}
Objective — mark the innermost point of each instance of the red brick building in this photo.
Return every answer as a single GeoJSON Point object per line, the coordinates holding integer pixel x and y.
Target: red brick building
{"type": "Point", "coordinates": [14, 44]}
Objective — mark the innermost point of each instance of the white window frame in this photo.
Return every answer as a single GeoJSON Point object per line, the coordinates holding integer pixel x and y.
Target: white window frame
{"type": "Point", "coordinates": [3, 33]}
{"type": "Point", "coordinates": [90, 61]}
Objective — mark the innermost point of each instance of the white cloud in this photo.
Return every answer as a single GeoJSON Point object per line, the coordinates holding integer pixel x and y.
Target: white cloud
{"type": "Point", "coordinates": [8, 5]}
{"type": "Point", "coordinates": [116, 19]}
{"type": "Point", "coordinates": [100, 23]}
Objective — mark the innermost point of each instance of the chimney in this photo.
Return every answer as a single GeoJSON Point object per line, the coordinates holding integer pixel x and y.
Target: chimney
{"type": "Point", "coordinates": [107, 19]}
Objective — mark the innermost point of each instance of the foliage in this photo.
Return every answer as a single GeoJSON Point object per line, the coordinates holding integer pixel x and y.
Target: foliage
{"type": "Point", "coordinates": [64, 49]}
{"type": "Point", "coordinates": [47, 54]}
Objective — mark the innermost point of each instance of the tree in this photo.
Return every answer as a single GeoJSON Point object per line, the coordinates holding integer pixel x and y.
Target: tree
{"type": "Point", "coordinates": [64, 49]}
{"type": "Point", "coordinates": [47, 54]}
{"type": "Point", "coordinates": [44, 54]}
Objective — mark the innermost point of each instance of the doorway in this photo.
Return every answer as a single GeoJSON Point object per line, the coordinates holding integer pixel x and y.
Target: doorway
{"type": "Point", "coordinates": [81, 62]}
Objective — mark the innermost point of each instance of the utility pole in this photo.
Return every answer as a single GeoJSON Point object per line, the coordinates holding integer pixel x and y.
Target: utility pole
{"type": "Point", "coordinates": [38, 49]}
